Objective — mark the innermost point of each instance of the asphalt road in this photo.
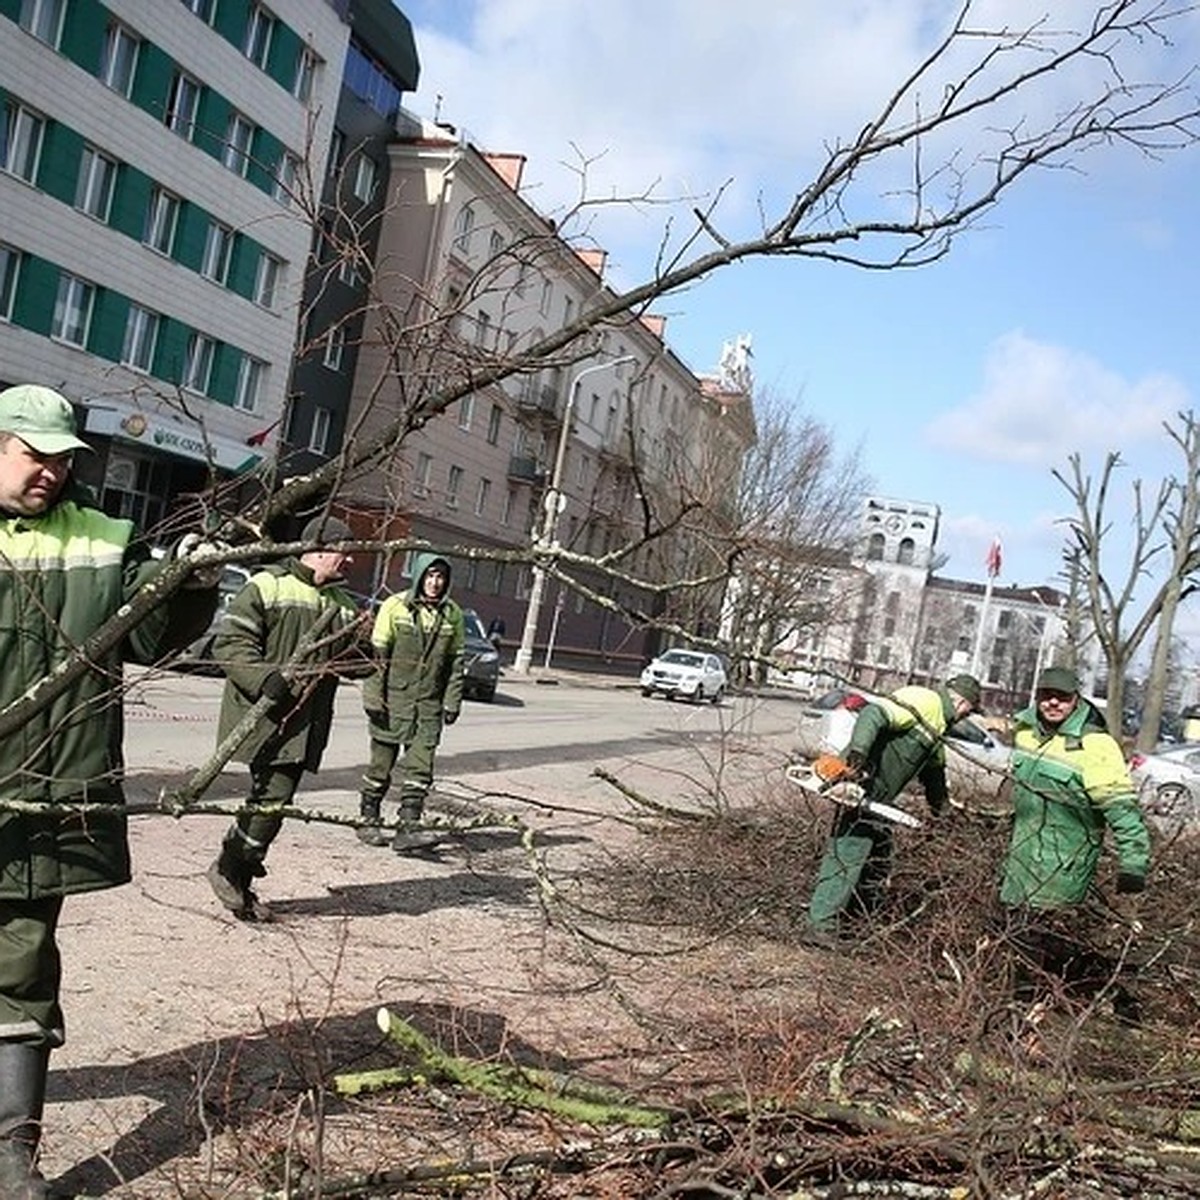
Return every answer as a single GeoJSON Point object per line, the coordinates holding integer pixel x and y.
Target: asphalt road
{"type": "Point", "coordinates": [537, 720]}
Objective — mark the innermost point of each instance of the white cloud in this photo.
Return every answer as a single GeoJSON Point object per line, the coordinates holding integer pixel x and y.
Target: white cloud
{"type": "Point", "coordinates": [1040, 403]}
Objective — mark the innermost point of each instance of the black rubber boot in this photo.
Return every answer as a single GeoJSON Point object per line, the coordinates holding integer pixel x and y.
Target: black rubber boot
{"type": "Point", "coordinates": [412, 837]}
{"type": "Point", "coordinates": [370, 832]}
{"type": "Point", "coordinates": [23, 1067]}
{"type": "Point", "coordinates": [229, 877]}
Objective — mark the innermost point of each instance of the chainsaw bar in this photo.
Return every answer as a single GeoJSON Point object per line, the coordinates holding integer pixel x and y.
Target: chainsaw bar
{"type": "Point", "coordinates": [848, 795]}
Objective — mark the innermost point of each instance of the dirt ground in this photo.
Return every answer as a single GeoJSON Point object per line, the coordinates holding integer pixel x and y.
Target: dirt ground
{"type": "Point", "coordinates": [188, 1031]}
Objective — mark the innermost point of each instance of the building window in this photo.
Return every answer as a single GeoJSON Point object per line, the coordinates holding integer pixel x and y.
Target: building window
{"type": "Point", "coordinates": [10, 264]}
{"type": "Point", "coordinates": [73, 310]}
{"type": "Point", "coordinates": [239, 137]}
{"type": "Point", "coordinates": [337, 149]}
{"type": "Point", "coordinates": [43, 18]}
{"type": "Point", "coordinates": [183, 102]}
{"type": "Point", "coordinates": [364, 178]}
{"type": "Point", "coordinates": [495, 420]}
{"type": "Point", "coordinates": [422, 474]}
{"type": "Point", "coordinates": [482, 496]}
{"type": "Point", "coordinates": [22, 148]}
{"type": "Point", "coordinates": [252, 374]}
{"type": "Point", "coordinates": [118, 62]}
{"type": "Point", "coordinates": [347, 270]}
{"type": "Point", "coordinates": [335, 345]}
{"type": "Point", "coordinates": [218, 246]}
{"type": "Point", "coordinates": [198, 363]}
{"type": "Point", "coordinates": [547, 293]}
{"type": "Point", "coordinates": [371, 81]}
{"type": "Point", "coordinates": [161, 220]}
{"type": "Point", "coordinates": [322, 423]}
{"type": "Point", "coordinates": [454, 478]}
{"type": "Point", "coordinates": [506, 511]}
{"type": "Point", "coordinates": [94, 188]}
{"type": "Point", "coordinates": [204, 9]}
{"type": "Point", "coordinates": [495, 245]}
{"type": "Point", "coordinates": [905, 552]}
{"type": "Point", "coordinates": [141, 337]}
{"type": "Point", "coordinates": [306, 73]}
{"type": "Point", "coordinates": [463, 224]}
{"type": "Point", "coordinates": [466, 410]}
{"type": "Point", "coordinates": [483, 327]}
{"type": "Point", "coordinates": [875, 548]}
{"type": "Point", "coordinates": [284, 187]}
{"type": "Point", "coordinates": [266, 283]}
{"type": "Point", "coordinates": [259, 29]}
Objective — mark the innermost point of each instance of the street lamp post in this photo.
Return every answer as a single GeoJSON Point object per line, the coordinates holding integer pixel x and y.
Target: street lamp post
{"type": "Point", "coordinates": [553, 504]}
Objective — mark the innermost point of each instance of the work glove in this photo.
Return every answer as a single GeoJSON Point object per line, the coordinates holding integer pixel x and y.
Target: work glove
{"type": "Point", "coordinates": [1128, 883]}
{"type": "Point", "coordinates": [279, 692]}
{"type": "Point", "coordinates": [450, 716]}
{"type": "Point", "coordinates": [209, 575]}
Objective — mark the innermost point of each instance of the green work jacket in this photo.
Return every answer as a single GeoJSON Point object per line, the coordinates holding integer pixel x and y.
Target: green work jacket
{"type": "Point", "coordinates": [1068, 786]}
{"type": "Point", "coordinates": [264, 624]}
{"type": "Point", "coordinates": [63, 574]}
{"type": "Point", "coordinates": [418, 674]}
{"type": "Point", "coordinates": [899, 738]}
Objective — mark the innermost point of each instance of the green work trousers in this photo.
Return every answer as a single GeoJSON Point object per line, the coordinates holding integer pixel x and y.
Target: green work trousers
{"type": "Point", "coordinates": [416, 771]}
{"type": "Point", "coordinates": [272, 785]}
{"type": "Point", "coordinates": [853, 870]}
{"type": "Point", "coordinates": [30, 971]}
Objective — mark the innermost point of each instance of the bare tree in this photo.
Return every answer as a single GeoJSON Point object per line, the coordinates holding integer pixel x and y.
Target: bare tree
{"type": "Point", "coordinates": [796, 510]}
{"type": "Point", "coordinates": [987, 105]}
{"type": "Point", "coordinates": [1165, 527]}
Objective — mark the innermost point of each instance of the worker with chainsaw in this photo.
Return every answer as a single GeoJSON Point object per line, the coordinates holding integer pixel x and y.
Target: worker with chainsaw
{"type": "Point", "coordinates": [896, 739]}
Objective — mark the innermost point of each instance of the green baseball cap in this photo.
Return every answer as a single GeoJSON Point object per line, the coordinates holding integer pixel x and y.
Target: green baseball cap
{"type": "Point", "coordinates": [40, 417]}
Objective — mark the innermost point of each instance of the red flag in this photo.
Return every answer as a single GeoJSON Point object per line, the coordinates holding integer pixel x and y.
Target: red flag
{"type": "Point", "coordinates": [257, 439]}
{"type": "Point", "coordinates": [993, 559]}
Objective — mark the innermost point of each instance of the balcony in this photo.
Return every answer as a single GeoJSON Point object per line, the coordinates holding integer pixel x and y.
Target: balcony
{"type": "Point", "coordinates": [526, 469]}
{"type": "Point", "coordinates": [543, 401]}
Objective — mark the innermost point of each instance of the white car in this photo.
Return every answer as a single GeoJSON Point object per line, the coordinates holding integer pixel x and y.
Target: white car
{"type": "Point", "coordinates": [693, 674]}
{"type": "Point", "coordinates": [1168, 785]}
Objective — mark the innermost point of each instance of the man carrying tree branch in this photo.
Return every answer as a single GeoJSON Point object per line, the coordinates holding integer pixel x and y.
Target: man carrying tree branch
{"type": "Point", "coordinates": [267, 621]}
{"type": "Point", "coordinates": [66, 568]}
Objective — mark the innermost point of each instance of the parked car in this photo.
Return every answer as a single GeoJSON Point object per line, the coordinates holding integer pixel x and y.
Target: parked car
{"type": "Point", "coordinates": [481, 660]}
{"type": "Point", "coordinates": [198, 655]}
{"type": "Point", "coordinates": [1168, 784]}
{"type": "Point", "coordinates": [977, 760]}
{"type": "Point", "coordinates": [692, 674]}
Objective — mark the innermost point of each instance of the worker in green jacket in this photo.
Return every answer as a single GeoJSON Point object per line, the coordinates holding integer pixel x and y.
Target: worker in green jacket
{"type": "Point", "coordinates": [264, 626]}
{"type": "Point", "coordinates": [415, 689]}
{"type": "Point", "coordinates": [65, 569]}
{"type": "Point", "coordinates": [1070, 785]}
{"type": "Point", "coordinates": [895, 739]}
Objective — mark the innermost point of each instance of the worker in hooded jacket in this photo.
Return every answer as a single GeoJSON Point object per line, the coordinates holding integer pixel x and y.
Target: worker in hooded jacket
{"type": "Point", "coordinates": [415, 689]}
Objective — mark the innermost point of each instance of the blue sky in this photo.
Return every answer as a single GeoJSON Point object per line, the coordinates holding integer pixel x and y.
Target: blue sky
{"type": "Point", "coordinates": [1064, 323]}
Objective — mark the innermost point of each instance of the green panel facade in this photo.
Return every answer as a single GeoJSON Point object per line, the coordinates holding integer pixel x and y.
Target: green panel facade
{"type": "Point", "coordinates": [230, 21]}
{"type": "Point", "coordinates": [243, 265]}
{"type": "Point", "coordinates": [106, 337]}
{"type": "Point", "coordinates": [265, 155]}
{"type": "Point", "coordinates": [83, 34]}
{"type": "Point", "coordinates": [222, 387]}
{"type": "Point", "coordinates": [152, 83]}
{"type": "Point", "coordinates": [171, 350]}
{"type": "Point", "coordinates": [190, 234]}
{"type": "Point", "coordinates": [131, 200]}
{"type": "Point", "coordinates": [37, 287]}
{"type": "Point", "coordinates": [211, 121]}
{"type": "Point", "coordinates": [58, 170]}
{"type": "Point", "coordinates": [283, 55]}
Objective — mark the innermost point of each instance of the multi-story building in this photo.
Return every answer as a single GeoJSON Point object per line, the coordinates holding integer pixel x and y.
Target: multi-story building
{"type": "Point", "coordinates": [898, 622]}
{"type": "Point", "coordinates": [381, 65]}
{"type": "Point", "coordinates": [610, 427]}
{"type": "Point", "coordinates": [153, 250]}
